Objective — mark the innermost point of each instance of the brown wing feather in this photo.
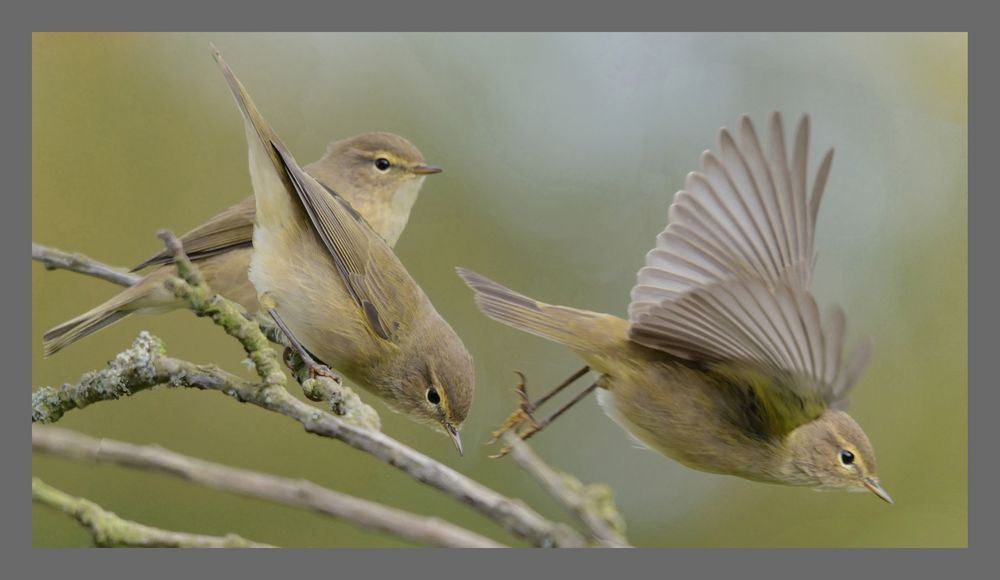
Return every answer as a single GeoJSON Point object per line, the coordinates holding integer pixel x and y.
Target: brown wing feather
{"type": "Point", "coordinates": [728, 280]}
{"type": "Point", "coordinates": [231, 228]}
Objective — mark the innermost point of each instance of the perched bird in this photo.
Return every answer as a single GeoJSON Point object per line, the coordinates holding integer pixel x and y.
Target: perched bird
{"type": "Point", "coordinates": [379, 174]}
{"type": "Point", "coordinates": [339, 293]}
{"type": "Point", "coordinates": [724, 363]}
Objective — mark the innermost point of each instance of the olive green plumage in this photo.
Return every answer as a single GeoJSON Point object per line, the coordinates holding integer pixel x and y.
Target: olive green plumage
{"type": "Point", "coordinates": [341, 291]}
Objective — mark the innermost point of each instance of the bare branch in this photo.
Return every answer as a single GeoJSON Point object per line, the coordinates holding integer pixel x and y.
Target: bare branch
{"type": "Point", "coordinates": [298, 493]}
{"type": "Point", "coordinates": [592, 504]}
{"type": "Point", "coordinates": [54, 259]}
{"type": "Point", "coordinates": [108, 530]}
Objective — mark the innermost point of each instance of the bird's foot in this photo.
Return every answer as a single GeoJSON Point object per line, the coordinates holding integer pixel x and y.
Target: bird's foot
{"type": "Point", "coordinates": [522, 416]}
{"type": "Point", "coordinates": [522, 421]}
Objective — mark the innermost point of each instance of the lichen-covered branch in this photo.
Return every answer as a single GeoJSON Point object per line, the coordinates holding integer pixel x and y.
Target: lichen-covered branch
{"type": "Point", "coordinates": [592, 504]}
{"type": "Point", "coordinates": [190, 286]}
{"type": "Point", "coordinates": [145, 365]}
{"type": "Point", "coordinates": [340, 399]}
{"type": "Point", "coordinates": [54, 259]}
{"type": "Point", "coordinates": [108, 530]}
{"type": "Point", "coordinates": [293, 492]}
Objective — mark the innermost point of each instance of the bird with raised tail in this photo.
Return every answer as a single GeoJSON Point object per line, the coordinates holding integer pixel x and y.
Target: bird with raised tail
{"type": "Point", "coordinates": [340, 294]}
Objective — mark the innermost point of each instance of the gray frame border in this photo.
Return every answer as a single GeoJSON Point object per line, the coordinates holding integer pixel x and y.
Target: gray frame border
{"type": "Point", "coordinates": [454, 15]}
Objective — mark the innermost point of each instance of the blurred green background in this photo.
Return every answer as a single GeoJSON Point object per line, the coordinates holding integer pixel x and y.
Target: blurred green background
{"type": "Point", "coordinates": [562, 153]}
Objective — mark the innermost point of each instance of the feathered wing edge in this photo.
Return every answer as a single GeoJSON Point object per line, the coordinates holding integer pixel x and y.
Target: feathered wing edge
{"type": "Point", "coordinates": [746, 214]}
{"type": "Point", "coordinates": [729, 276]}
{"type": "Point", "coordinates": [777, 329]}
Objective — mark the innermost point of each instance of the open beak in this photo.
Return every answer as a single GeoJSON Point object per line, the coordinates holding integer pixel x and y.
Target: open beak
{"type": "Point", "coordinates": [453, 433]}
{"type": "Point", "coordinates": [426, 169]}
{"type": "Point", "coordinates": [875, 488]}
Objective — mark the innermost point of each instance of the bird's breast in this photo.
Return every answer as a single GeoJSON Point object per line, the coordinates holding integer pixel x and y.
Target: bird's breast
{"type": "Point", "coordinates": [292, 266]}
{"type": "Point", "coordinates": [672, 408]}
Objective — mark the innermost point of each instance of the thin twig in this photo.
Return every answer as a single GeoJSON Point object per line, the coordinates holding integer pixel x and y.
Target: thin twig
{"type": "Point", "coordinates": [109, 530]}
{"type": "Point", "coordinates": [592, 504]}
{"type": "Point", "coordinates": [294, 492]}
{"type": "Point", "coordinates": [54, 259]}
{"type": "Point", "coordinates": [145, 365]}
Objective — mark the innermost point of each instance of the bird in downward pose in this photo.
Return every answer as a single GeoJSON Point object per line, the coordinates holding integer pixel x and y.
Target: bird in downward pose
{"type": "Point", "coordinates": [724, 363]}
{"type": "Point", "coordinates": [339, 293]}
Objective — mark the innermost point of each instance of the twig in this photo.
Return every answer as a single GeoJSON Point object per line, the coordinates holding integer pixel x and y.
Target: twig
{"type": "Point", "coordinates": [108, 530]}
{"type": "Point", "coordinates": [54, 259]}
{"type": "Point", "coordinates": [145, 365]}
{"type": "Point", "coordinates": [592, 504]}
{"type": "Point", "coordinates": [298, 493]}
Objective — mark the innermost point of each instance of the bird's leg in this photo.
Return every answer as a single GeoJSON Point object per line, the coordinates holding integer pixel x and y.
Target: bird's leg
{"type": "Point", "coordinates": [569, 381]}
{"type": "Point", "coordinates": [314, 367]}
{"type": "Point", "coordinates": [527, 408]}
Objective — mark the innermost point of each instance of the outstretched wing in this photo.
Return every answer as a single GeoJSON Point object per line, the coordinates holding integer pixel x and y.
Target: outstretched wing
{"type": "Point", "coordinates": [745, 214]}
{"type": "Point", "coordinates": [728, 280]}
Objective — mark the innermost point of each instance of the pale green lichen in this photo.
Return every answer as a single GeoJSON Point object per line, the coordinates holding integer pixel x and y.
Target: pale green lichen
{"type": "Point", "coordinates": [596, 498]}
{"type": "Point", "coordinates": [343, 402]}
{"type": "Point", "coordinates": [602, 500]}
{"type": "Point", "coordinates": [130, 369]}
{"type": "Point", "coordinates": [109, 530]}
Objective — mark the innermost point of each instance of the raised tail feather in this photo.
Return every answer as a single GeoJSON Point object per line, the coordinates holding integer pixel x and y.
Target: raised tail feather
{"type": "Point", "coordinates": [577, 329]}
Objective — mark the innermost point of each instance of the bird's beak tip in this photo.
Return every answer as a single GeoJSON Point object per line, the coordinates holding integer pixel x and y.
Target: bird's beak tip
{"type": "Point", "coordinates": [874, 487]}
{"type": "Point", "coordinates": [455, 438]}
{"type": "Point", "coordinates": [424, 169]}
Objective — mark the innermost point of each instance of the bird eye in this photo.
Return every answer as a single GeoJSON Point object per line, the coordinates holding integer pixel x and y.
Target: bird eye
{"type": "Point", "coordinates": [846, 457]}
{"type": "Point", "coordinates": [432, 396]}
{"type": "Point", "coordinates": [382, 164]}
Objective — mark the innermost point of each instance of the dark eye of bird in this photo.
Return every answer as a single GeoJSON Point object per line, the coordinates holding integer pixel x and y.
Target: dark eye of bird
{"type": "Point", "coordinates": [432, 396]}
{"type": "Point", "coordinates": [846, 457]}
{"type": "Point", "coordinates": [382, 164]}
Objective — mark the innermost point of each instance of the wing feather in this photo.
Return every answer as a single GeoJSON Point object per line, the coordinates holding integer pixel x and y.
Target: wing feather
{"type": "Point", "coordinates": [728, 280]}
{"type": "Point", "coordinates": [371, 273]}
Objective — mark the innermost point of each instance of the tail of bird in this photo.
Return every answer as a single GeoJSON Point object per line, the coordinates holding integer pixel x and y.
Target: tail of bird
{"type": "Point", "coordinates": [84, 325]}
{"type": "Point", "coordinates": [146, 296]}
{"type": "Point", "coordinates": [580, 330]}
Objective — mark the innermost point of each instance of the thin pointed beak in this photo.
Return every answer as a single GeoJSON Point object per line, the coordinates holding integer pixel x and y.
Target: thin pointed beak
{"type": "Point", "coordinates": [423, 169]}
{"type": "Point", "coordinates": [875, 488]}
{"type": "Point", "coordinates": [453, 433]}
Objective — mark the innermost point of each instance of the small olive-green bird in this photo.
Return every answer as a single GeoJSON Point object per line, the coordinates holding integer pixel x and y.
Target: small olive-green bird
{"type": "Point", "coordinates": [724, 363]}
{"type": "Point", "coordinates": [336, 288]}
{"type": "Point", "coordinates": [379, 174]}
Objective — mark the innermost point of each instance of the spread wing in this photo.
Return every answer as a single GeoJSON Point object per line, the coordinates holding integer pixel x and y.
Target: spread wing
{"type": "Point", "coordinates": [373, 276]}
{"type": "Point", "coordinates": [230, 229]}
{"type": "Point", "coordinates": [728, 280]}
